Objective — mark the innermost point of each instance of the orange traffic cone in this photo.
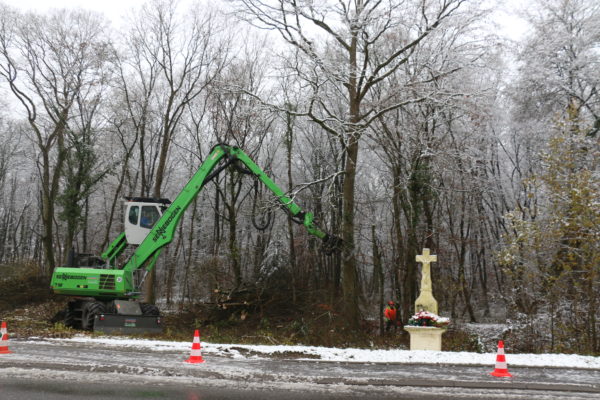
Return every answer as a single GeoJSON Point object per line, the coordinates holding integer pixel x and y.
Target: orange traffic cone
{"type": "Point", "coordinates": [4, 339]}
{"type": "Point", "coordinates": [196, 356]}
{"type": "Point", "coordinates": [501, 369]}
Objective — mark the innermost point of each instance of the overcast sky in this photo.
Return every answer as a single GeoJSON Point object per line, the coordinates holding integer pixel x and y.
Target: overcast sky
{"type": "Point", "coordinates": [113, 9]}
{"type": "Point", "coordinates": [510, 25]}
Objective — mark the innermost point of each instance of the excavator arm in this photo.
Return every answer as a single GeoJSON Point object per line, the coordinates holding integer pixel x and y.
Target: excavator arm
{"type": "Point", "coordinates": [163, 231]}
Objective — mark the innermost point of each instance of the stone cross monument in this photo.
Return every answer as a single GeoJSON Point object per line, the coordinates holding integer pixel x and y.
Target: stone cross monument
{"type": "Point", "coordinates": [425, 337]}
{"type": "Point", "coordinates": [426, 301]}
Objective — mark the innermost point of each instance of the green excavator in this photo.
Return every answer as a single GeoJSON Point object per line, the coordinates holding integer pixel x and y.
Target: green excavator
{"type": "Point", "coordinates": [105, 295]}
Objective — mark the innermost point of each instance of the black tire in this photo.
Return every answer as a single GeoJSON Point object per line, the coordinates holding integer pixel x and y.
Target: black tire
{"type": "Point", "coordinates": [70, 319]}
{"type": "Point", "coordinates": [90, 310]}
{"type": "Point", "coordinates": [149, 310]}
{"type": "Point", "coordinates": [72, 316]}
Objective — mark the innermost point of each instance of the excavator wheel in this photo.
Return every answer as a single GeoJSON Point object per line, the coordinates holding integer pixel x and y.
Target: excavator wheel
{"type": "Point", "coordinates": [71, 315]}
{"type": "Point", "coordinates": [71, 318]}
{"type": "Point", "coordinates": [149, 310]}
{"type": "Point", "coordinates": [89, 312]}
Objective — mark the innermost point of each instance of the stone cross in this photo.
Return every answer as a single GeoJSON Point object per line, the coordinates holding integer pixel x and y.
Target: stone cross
{"type": "Point", "coordinates": [426, 301]}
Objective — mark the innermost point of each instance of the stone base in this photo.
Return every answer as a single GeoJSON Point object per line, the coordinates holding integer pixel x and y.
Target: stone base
{"type": "Point", "coordinates": [425, 337]}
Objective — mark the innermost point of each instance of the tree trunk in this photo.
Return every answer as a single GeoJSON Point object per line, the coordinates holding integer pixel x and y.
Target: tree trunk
{"type": "Point", "coordinates": [290, 224]}
{"type": "Point", "coordinates": [50, 185]}
{"type": "Point", "coordinates": [350, 288]}
{"type": "Point", "coordinates": [378, 275]}
{"type": "Point", "coordinates": [233, 247]}
{"type": "Point", "coordinates": [398, 241]}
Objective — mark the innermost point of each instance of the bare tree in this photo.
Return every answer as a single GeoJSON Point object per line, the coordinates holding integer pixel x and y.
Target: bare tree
{"type": "Point", "coordinates": [425, 146]}
{"type": "Point", "coordinates": [48, 61]}
{"type": "Point", "coordinates": [175, 56]}
{"type": "Point", "coordinates": [559, 62]}
{"type": "Point", "coordinates": [342, 43]}
{"type": "Point", "coordinates": [237, 119]}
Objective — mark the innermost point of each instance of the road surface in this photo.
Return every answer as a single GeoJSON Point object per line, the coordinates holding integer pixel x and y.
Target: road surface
{"type": "Point", "coordinates": [54, 369]}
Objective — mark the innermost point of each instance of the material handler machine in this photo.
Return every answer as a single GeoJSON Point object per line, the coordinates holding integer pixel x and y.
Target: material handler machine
{"type": "Point", "coordinates": [105, 295]}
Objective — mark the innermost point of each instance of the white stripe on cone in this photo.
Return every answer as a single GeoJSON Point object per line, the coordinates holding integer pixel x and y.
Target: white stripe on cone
{"type": "Point", "coordinates": [501, 364]}
{"type": "Point", "coordinates": [196, 352]}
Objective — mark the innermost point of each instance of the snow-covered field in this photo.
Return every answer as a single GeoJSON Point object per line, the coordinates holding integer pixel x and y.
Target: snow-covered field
{"type": "Point", "coordinates": [349, 354]}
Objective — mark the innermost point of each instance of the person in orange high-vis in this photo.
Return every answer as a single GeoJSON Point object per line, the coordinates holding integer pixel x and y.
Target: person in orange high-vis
{"type": "Point", "coordinates": [390, 316]}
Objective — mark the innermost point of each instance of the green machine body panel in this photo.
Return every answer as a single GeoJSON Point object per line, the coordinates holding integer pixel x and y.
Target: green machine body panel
{"type": "Point", "coordinates": [92, 282]}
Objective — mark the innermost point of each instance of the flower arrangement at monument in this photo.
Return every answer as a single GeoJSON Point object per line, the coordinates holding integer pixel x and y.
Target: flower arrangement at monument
{"type": "Point", "coordinates": [428, 319]}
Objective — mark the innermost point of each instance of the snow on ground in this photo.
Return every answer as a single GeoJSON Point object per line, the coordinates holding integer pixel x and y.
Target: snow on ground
{"type": "Point", "coordinates": [349, 354]}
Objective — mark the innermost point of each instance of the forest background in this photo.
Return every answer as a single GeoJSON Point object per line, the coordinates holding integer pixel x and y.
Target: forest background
{"type": "Point", "coordinates": [402, 124]}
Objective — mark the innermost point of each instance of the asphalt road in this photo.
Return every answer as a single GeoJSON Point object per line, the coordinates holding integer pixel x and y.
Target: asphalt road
{"type": "Point", "coordinates": [23, 389]}
{"type": "Point", "coordinates": [67, 370]}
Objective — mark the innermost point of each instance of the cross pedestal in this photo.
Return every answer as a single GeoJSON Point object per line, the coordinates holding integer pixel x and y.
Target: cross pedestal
{"type": "Point", "coordinates": [425, 337]}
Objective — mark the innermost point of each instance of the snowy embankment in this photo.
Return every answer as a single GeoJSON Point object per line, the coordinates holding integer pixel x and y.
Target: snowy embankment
{"type": "Point", "coordinates": [346, 355]}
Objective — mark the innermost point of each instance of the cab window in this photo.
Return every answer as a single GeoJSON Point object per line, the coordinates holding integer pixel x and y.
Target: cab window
{"type": "Point", "coordinates": [149, 216]}
{"type": "Point", "coordinates": [134, 212]}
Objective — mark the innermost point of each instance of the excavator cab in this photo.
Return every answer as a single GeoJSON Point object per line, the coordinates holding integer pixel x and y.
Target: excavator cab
{"type": "Point", "coordinates": [141, 213]}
